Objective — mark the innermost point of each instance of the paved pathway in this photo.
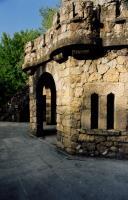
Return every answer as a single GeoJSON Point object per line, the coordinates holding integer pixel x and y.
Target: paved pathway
{"type": "Point", "coordinates": [32, 169]}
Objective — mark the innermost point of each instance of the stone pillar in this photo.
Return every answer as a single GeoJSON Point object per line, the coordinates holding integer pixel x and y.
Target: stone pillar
{"type": "Point", "coordinates": [63, 109]}
{"type": "Point", "coordinates": [76, 92]}
{"type": "Point", "coordinates": [120, 113]}
{"type": "Point", "coordinates": [32, 104]}
{"type": "Point", "coordinates": [48, 106]}
{"type": "Point", "coordinates": [102, 112]}
{"type": "Point", "coordinates": [86, 114]}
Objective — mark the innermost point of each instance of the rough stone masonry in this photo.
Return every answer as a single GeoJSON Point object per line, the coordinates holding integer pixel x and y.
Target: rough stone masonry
{"type": "Point", "coordinates": [78, 78]}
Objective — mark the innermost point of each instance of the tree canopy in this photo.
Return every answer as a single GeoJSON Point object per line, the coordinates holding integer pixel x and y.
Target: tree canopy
{"type": "Point", "coordinates": [47, 14]}
{"type": "Point", "coordinates": [12, 77]}
{"type": "Point", "coordinates": [47, 17]}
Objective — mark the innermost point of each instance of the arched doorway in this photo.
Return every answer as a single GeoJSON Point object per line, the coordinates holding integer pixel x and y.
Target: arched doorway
{"type": "Point", "coordinates": [46, 103]}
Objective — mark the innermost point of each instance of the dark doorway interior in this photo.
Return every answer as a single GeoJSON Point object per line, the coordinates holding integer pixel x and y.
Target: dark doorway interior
{"type": "Point", "coordinates": [46, 105]}
{"type": "Point", "coordinates": [94, 110]}
{"type": "Point", "coordinates": [110, 111]}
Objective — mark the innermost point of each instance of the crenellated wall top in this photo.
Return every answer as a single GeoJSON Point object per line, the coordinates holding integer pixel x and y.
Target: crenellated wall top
{"type": "Point", "coordinates": [80, 27]}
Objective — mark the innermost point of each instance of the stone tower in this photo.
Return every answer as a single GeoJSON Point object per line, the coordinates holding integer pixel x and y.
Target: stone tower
{"type": "Point", "coordinates": [80, 66]}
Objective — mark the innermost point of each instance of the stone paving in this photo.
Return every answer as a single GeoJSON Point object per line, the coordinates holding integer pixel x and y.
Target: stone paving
{"type": "Point", "coordinates": [33, 169]}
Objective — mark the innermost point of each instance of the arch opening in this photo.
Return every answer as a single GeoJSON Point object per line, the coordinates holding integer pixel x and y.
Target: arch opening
{"type": "Point", "coordinates": [46, 104]}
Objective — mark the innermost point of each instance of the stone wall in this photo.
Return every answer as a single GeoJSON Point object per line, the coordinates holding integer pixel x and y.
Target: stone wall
{"type": "Point", "coordinates": [86, 54]}
{"type": "Point", "coordinates": [75, 81]}
{"type": "Point", "coordinates": [102, 76]}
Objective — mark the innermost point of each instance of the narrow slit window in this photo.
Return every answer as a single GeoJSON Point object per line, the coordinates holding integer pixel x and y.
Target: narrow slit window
{"type": "Point", "coordinates": [117, 9]}
{"type": "Point", "coordinates": [94, 110]}
{"type": "Point", "coordinates": [110, 111]}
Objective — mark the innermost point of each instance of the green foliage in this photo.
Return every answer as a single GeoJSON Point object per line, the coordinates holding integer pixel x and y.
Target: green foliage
{"type": "Point", "coordinates": [47, 17]}
{"type": "Point", "coordinates": [47, 14]}
{"type": "Point", "coordinates": [12, 77]}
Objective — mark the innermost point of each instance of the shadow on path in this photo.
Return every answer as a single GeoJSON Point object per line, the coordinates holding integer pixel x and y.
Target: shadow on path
{"type": "Point", "coordinates": [32, 169]}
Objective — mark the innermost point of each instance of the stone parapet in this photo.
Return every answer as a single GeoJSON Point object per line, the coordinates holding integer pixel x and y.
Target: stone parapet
{"type": "Point", "coordinates": [80, 27]}
{"type": "Point", "coordinates": [74, 24]}
{"type": "Point", "coordinates": [114, 23]}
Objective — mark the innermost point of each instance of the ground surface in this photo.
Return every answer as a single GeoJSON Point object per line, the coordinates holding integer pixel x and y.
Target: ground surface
{"type": "Point", "coordinates": [33, 169]}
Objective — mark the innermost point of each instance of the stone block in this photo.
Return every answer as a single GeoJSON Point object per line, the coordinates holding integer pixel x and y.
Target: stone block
{"type": "Point", "coordinates": [112, 75]}
{"type": "Point", "coordinates": [85, 119]}
{"type": "Point", "coordinates": [112, 63]}
{"type": "Point", "coordinates": [121, 60]}
{"type": "Point", "coordinates": [78, 92]}
{"type": "Point", "coordinates": [101, 148]}
{"type": "Point", "coordinates": [124, 77]}
{"type": "Point", "coordinates": [114, 149]}
{"type": "Point", "coordinates": [92, 68]}
{"type": "Point", "coordinates": [86, 138]}
{"type": "Point", "coordinates": [104, 60]}
{"type": "Point", "coordinates": [102, 68]}
{"type": "Point", "coordinates": [122, 68]}
{"type": "Point", "coordinates": [99, 139]}
{"type": "Point", "coordinates": [78, 147]}
{"type": "Point", "coordinates": [73, 145]}
{"type": "Point", "coordinates": [74, 137]}
{"type": "Point", "coordinates": [90, 147]}
{"type": "Point", "coordinates": [109, 144]}
{"type": "Point", "coordinates": [94, 77]}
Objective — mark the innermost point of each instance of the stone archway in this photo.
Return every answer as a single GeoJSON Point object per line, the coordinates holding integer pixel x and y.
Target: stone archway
{"type": "Point", "coordinates": [46, 102]}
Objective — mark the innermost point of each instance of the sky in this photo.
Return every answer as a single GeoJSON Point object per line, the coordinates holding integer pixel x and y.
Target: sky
{"type": "Point", "coordinates": [17, 15]}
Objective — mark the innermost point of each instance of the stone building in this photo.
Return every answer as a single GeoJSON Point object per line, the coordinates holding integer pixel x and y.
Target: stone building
{"type": "Point", "coordinates": [78, 77]}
